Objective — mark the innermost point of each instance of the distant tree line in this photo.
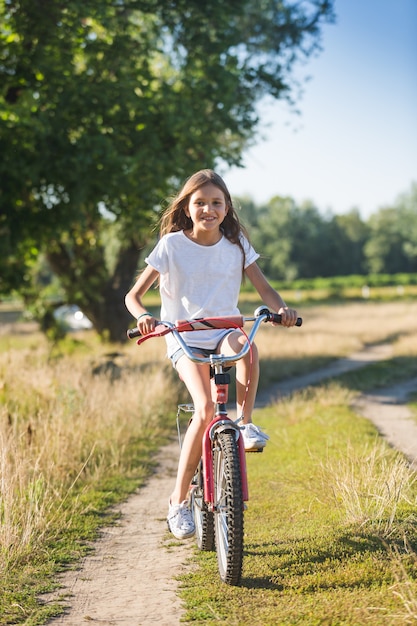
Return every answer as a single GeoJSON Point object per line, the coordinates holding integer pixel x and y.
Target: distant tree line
{"type": "Point", "coordinates": [299, 241]}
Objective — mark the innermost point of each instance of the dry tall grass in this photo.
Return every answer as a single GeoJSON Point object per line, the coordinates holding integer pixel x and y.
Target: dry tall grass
{"type": "Point", "coordinates": [339, 330]}
{"type": "Point", "coordinates": [369, 485]}
{"type": "Point", "coordinates": [59, 421]}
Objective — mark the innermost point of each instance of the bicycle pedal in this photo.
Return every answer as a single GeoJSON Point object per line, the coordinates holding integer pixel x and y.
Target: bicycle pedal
{"type": "Point", "coordinates": [252, 450]}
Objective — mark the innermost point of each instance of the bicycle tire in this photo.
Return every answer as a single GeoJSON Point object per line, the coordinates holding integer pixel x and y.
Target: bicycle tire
{"type": "Point", "coordinates": [203, 518]}
{"type": "Point", "coordinates": [228, 507]}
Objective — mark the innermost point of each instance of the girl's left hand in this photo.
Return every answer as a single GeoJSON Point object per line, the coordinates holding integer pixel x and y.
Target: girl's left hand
{"type": "Point", "coordinates": [288, 316]}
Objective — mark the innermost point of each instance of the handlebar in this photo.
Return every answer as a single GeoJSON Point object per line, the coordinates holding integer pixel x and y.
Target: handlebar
{"type": "Point", "coordinates": [262, 314]}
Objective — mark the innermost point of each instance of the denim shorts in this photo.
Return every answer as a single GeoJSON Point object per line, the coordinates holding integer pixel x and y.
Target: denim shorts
{"type": "Point", "coordinates": [197, 351]}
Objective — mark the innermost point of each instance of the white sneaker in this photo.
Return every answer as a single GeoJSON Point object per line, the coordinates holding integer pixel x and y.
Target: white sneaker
{"type": "Point", "coordinates": [180, 520]}
{"type": "Point", "coordinates": [253, 437]}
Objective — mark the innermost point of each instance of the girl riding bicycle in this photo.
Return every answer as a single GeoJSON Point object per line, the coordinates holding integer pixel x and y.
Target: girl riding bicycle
{"type": "Point", "coordinates": [200, 260]}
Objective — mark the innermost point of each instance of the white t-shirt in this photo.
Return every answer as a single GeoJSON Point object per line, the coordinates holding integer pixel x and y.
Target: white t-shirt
{"type": "Point", "coordinates": [198, 281]}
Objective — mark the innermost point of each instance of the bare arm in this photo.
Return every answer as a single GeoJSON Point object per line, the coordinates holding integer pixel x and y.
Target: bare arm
{"type": "Point", "coordinates": [269, 295]}
{"type": "Point", "coordinates": [133, 299]}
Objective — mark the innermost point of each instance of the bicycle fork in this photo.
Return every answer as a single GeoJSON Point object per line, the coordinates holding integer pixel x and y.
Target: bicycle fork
{"type": "Point", "coordinates": [221, 423]}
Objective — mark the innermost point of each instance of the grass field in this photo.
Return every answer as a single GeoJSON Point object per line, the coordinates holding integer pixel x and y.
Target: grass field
{"type": "Point", "coordinates": [78, 427]}
{"type": "Point", "coordinates": [330, 527]}
{"type": "Point", "coordinates": [331, 522]}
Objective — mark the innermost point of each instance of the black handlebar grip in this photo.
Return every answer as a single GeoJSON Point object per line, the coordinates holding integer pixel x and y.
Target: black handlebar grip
{"type": "Point", "coordinates": [133, 332]}
{"type": "Point", "coordinates": [277, 318]}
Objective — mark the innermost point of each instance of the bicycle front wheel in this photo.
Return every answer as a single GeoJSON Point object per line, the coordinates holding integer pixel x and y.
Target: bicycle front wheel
{"type": "Point", "coordinates": [228, 507]}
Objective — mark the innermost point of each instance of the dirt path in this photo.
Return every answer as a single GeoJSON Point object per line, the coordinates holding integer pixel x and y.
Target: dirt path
{"type": "Point", "coordinates": [386, 409]}
{"type": "Point", "coordinates": [129, 580]}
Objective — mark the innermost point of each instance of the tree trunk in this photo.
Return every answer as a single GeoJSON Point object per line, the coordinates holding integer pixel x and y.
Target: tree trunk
{"type": "Point", "coordinates": [109, 315]}
{"type": "Point", "coordinates": [99, 295]}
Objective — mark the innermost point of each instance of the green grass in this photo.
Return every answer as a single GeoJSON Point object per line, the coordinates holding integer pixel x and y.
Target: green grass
{"type": "Point", "coordinates": [306, 560]}
{"type": "Point", "coordinates": [383, 374]}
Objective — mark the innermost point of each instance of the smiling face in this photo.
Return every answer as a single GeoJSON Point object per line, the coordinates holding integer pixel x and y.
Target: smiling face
{"type": "Point", "coordinates": [207, 209]}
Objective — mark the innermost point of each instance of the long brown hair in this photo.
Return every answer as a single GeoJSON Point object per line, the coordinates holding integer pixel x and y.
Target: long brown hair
{"type": "Point", "coordinates": [175, 218]}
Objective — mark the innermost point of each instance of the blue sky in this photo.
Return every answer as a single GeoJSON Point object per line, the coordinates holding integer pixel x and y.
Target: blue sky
{"type": "Point", "coordinates": [355, 142]}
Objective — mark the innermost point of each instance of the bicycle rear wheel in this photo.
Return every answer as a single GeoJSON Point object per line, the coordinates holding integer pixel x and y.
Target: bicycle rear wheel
{"type": "Point", "coordinates": [203, 518]}
{"type": "Point", "coordinates": [228, 507]}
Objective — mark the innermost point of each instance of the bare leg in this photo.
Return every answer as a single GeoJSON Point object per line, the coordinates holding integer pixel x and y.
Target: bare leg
{"type": "Point", "coordinates": [197, 380]}
{"type": "Point", "coordinates": [245, 371]}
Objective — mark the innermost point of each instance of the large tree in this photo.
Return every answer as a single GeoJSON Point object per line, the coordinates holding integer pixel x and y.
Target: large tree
{"type": "Point", "coordinates": [106, 105]}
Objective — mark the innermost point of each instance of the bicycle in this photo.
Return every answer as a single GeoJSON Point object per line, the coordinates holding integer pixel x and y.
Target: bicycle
{"type": "Point", "coordinates": [219, 488]}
